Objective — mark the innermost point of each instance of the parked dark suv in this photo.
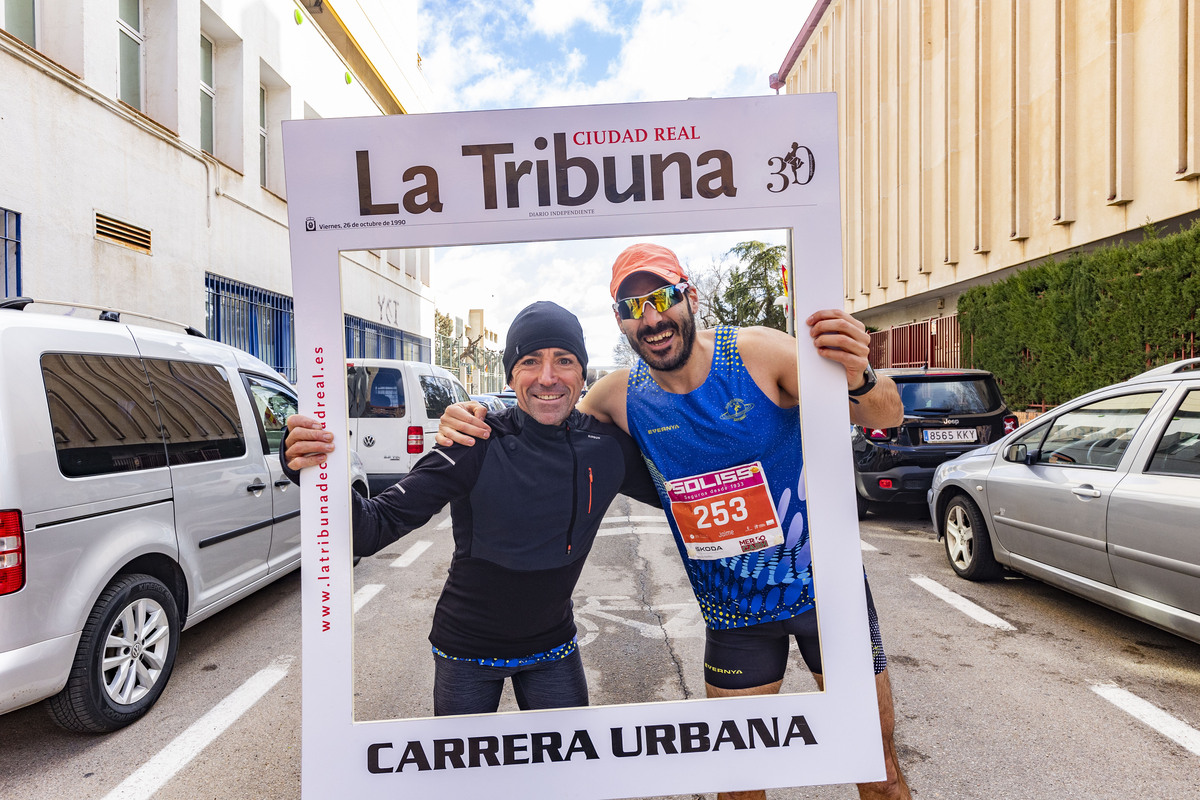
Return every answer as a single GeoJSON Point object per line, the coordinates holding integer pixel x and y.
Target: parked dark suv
{"type": "Point", "coordinates": [946, 413]}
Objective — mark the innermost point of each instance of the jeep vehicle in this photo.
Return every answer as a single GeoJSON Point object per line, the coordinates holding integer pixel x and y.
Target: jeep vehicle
{"type": "Point", "coordinates": [393, 409]}
{"type": "Point", "coordinates": [947, 412]}
{"type": "Point", "coordinates": [140, 493]}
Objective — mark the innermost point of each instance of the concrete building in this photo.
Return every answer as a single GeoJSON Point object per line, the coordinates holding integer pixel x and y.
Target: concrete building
{"type": "Point", "coordinates": [141, 159]}
{"type": "Point", "coordinates": [981, 137]}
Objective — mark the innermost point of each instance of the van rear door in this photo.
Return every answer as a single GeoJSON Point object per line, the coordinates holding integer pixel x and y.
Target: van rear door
{"type": "Point", "coordinates": [377, 400]}
{"type": "Point", "coordinates": [439, 392]}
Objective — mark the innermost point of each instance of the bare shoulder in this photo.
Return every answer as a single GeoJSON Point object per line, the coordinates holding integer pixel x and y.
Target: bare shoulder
{"type": "Point", "coordinates": [605, 400]}
{"type": "Point", "coordinates": [770, 358]}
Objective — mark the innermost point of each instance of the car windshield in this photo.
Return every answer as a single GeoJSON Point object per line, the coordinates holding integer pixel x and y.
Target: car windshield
{"type": "Point", "coordinates": [960, 395]}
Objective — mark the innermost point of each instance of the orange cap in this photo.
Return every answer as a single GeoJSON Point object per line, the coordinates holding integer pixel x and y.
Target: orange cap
{"type": "Point", "coordinates": [652, 258]}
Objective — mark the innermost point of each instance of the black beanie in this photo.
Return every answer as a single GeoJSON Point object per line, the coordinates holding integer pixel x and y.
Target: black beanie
{"type": "Point", "coordinates": [543, 324]}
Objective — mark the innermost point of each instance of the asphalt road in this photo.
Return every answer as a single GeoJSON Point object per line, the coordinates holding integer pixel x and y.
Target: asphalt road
{"type": "Point", "coordinates": [1045, 709]}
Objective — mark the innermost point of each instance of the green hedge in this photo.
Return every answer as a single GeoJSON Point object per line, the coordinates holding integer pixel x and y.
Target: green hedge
{"type": "Point", "coordinates": [1062, 328]}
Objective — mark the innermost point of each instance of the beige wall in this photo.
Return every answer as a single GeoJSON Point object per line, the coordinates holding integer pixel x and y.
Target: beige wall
{"type": "Point", "coordinates": [982, 135]}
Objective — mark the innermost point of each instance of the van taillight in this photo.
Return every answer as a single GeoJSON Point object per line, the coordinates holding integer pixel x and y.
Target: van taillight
{"type": "Point", "coordinates": [877, 433]}
{"type": "Point", "coordinates": [1010, 424]}
{"type": "Point", "coordinates": [416, 439]}
{"type": "Point", "coordinates": [12, 552]}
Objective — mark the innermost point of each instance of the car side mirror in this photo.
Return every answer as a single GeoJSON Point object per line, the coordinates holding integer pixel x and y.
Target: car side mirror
{"type": "Point", "coordinates": [1017, 453]}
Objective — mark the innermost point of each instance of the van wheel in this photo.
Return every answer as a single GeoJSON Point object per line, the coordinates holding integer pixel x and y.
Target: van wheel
{"type": "Point", "coordinates": [968, 546]}
{"type": "Point", "coordinates": [125, 657]}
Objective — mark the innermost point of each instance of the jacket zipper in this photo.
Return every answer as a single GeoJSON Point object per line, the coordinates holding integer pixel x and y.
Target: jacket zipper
{"type": "Point", "coordinates": [589, 490]}
{"type": "Point", "coordinates": [574, 489]}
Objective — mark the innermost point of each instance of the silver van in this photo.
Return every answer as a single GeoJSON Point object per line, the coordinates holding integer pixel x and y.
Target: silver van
{"type": "Point", "coordinates": [394, 408]}
{"type": "Point", "coordinates": [140, 493]}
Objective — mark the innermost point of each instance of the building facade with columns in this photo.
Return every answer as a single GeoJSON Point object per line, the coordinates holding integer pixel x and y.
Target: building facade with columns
{"type": "Point", "coordinates": [977, 138]}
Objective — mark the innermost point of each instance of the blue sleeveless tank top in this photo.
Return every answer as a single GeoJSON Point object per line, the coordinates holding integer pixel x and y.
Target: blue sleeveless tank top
{"type": "Point", "coordinates": [724, 423]}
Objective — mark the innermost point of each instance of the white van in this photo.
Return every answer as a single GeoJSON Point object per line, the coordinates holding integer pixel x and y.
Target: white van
{"type": "Point", "coordinates": [393, 409]}
{"type": "Point", "coordinates": [140, 493]}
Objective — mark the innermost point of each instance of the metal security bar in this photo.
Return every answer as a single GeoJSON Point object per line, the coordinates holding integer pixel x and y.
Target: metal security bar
{"type": "Point", "coordinates": [371, 340]}
{"type": "Point", "coordinates": [10, 257]}
{"type": "Point", "coordinates": [480, 368]}
{"type": "Point", "coordinates": [933, 342]}
{"type": "Point", "coordinates": [252, 319]}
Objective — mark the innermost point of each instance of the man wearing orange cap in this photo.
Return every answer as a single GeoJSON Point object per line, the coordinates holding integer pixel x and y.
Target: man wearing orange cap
{"type": "Point", "coordinates": [724, 401]}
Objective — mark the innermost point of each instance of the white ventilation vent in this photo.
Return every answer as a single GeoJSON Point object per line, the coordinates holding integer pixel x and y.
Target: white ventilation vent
{"type": "Point", "coordinates": [114, 230]}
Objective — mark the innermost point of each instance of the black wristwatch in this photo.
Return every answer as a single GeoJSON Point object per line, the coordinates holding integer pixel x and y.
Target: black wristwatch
{"type": "Point", "coordinates": [869, 381]}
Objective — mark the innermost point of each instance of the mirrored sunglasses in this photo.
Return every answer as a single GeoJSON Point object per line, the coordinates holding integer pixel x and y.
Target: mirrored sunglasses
{"type": "Point", "coordinates": [661, 299]}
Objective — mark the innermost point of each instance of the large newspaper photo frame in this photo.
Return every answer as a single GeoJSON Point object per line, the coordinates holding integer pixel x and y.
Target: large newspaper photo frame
{"type": "Point", "coordinates": [587, 172]}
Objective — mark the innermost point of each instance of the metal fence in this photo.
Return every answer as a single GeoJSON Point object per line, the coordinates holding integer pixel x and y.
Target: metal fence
{"type": "Point", "coordinates": [480, 369]}
{"type": "Point", "coordinates": [933, 342]}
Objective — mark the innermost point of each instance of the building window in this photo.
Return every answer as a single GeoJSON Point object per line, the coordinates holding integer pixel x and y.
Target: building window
{"type": "Point", "coordinates": [252, 319]}
{"type": "Point", "coordinates": [371, 340]}
{"type": "Point", "coordinates": [129, 61]}
{"type": "Point", "coordinates": [18, 19]}
{"type": "Point", "coordinates": [262, 137]}
{"type": "Point", "coordinates": [10, 256]}
{"type": "Point", "coordinates": [208, 95]}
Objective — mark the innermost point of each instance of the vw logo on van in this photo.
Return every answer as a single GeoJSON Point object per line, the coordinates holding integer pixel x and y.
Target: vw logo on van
{"type": "Point", "coordinates": [368, 441]}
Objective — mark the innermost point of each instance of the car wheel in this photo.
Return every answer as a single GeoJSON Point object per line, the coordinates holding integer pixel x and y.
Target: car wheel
{"type": "Point", "coordinates": [863, 505]}
{"type": "Point", "coordinates": [968, 548]}
{"type": "Point", "coordinates": [124, 659]}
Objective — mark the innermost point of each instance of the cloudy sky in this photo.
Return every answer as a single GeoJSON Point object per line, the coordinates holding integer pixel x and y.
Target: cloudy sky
{"type": "Point", "coordinates": [481, 54]}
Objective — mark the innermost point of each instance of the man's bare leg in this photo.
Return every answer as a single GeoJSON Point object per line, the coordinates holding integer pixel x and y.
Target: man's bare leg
{"type": "Point", "coordinates": [716, 691]}
{"type": "Point", "coordinates": [893, 787]}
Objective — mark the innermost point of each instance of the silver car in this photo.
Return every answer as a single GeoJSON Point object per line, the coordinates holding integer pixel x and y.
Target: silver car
{"type": "Point", "coordinates": [1099, 497]}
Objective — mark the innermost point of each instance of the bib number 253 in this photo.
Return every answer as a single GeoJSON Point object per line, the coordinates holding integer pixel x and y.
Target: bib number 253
{"type": "Point", "coordinates": [720, 512]}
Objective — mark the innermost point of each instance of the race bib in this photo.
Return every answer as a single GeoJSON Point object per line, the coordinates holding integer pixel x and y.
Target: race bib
{"type": "Point", "coordinates": [725, 513]}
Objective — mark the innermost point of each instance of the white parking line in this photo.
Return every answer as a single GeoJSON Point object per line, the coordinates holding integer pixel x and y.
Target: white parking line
{"type": "Point", "coordinates": [1174, 729]}
{"type": "Point", "coordinates": [964, 605]}
{"type": "Point", "coordinates": [364, 595]}
{"type": "Point", "coordinates": [618, 520]}
{"type": "Point", "coordinates": [445, 523]}
{"type": "Point", "coordinates": [155, 773]}
{"type": "Point", "coordinates": [630, 529]}
{"type": "Point", "coordinates": [412, 554]}
{"type": "Point", "coordinates": [867, 548]}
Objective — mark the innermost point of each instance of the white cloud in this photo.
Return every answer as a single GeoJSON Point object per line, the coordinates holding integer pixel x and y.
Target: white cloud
{"type": "Point", "coordinates": [481, 55]}
{"type": "Point", "coordinates": [554, 17]}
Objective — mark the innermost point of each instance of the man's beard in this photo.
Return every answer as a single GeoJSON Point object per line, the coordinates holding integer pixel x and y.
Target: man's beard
{"type": "Point", "coordinates": [685, 333]}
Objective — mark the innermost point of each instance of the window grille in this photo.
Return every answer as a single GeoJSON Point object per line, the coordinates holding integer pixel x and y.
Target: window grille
{"type": "Point", "coordinates": [128, 234]}
{"type": "Point", "coordinates": [252, 319]}
{"type": "Point", "coordinates": [370, 340]}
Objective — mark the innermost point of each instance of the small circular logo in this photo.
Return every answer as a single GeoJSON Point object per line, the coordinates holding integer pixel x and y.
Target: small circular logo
{"type": "Point", "coordinates": [368, 441]}
{"type": "Point", "coordinates": [736, 409]}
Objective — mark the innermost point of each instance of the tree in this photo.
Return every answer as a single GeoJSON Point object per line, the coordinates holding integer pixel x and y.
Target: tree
{"type": "Point", "coordinates": [622, 352]}
{"type": "Point", "coordinates": [443, 324]}
{"type": "Point", "coordinates": [445, 350]}
{"type": "Point", "coordinates": [747, 294]}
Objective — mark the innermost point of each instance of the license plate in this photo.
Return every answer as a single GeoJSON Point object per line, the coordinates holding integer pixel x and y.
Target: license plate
{"type": "Point", "coordinates": [949, 435]}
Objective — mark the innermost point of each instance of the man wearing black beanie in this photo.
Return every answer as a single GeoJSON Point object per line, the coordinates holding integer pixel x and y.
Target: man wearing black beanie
{"type": "Point", "coordinates": [536, 334]}
{"type": "Point", "coordinates": [525, 505]}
